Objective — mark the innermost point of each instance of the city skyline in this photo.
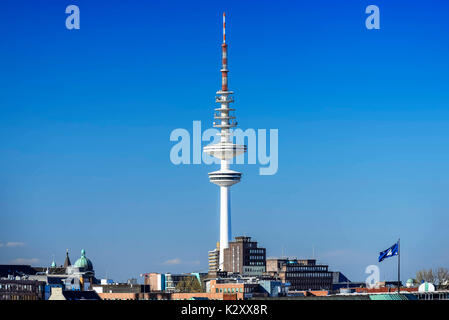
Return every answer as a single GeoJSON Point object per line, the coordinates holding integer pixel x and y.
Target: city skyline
{"type": "Point", "coordinates": [362, 115]}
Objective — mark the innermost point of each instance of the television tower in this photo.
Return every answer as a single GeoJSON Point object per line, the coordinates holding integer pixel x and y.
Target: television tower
{"type": "Point", "coordinates": [224, 150]}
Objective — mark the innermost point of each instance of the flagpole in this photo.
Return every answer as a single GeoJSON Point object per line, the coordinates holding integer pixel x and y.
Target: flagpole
{"type": "Point", "coordinates": [399, 265]}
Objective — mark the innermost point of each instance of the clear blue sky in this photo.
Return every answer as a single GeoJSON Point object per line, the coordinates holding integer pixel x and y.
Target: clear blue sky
{"type": "Point", "coordinates": [363, 119]}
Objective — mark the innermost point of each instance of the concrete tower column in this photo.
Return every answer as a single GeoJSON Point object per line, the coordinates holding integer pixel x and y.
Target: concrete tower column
{"type": "Point", "coordinates": [225, 225]}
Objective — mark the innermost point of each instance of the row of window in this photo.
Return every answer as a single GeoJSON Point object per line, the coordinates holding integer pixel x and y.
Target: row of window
{"type": "Point", "coordinates": [229, 290]}
{"type": "Point", "coordinates": [234, 290]}
{"type": "Point", "coordinates": [18, 297]}
{"type": "Point", "coordinates": [260, 251]}
{"type": "Point", "coordinates": [18, 287]}
{"type": "Point", "coordinates": [310, 280]}
{"type": "Point", "coordinates": [303, 268]}
{"type": "Point", "coordinates": [309, 274]}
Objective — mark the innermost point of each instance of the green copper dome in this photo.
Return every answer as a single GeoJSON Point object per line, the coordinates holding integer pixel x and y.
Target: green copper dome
{"type": "Point", "coordinates": [53, 264]}
{"type": "Point", "coordinates": [84, 262]}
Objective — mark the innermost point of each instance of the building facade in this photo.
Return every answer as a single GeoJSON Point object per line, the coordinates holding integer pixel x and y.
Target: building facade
{"type": "Point", "coordinates": [214, 259]}
{"type": "Point", "coordinates": [242, 290]}
{"type": "Point", "coordinates": [22, 289]}
{"type": "Point", "coordinates": [244, 257]}
{"type": "Point", "coordinates": [129, 291]}
{"type": "Point", "coordinates": [301, 274]}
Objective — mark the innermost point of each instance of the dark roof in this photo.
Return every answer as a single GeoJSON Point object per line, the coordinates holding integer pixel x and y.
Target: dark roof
{"type": "Point", "coordinates": [16, 270]}
{"type": "Point", "coordinates": [81, 295]}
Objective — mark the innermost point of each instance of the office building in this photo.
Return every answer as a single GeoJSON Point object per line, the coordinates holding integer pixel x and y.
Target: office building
{"type": "Point", "coordinates": [300, 274]}
{"type": "Point", "coordinates": [244, 257]}
{"type": "Point", "coordinates": [214, 257]}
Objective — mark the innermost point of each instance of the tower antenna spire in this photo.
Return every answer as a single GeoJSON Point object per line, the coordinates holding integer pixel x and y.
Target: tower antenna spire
{"type": "Point", "coordinates": [224, 27]}
{"type": "Point", "coordinates": [224, 58]}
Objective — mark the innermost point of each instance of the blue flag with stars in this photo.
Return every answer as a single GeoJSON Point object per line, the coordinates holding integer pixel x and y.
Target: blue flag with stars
{"type": "Point", "coordinates": [390, 252]}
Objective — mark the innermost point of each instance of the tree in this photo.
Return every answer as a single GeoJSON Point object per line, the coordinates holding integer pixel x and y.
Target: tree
{"type": "Point", "coordinates": [189, 284]}
{"type": "Point", "coordinates": [442, 275]}
{"type": "Point", "coordinates": [439, 276]}
{"type": "Point", "coordinates": [425, 275]}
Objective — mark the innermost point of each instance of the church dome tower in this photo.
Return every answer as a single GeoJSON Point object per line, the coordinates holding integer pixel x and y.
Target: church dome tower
{"type": "Point", "coordinates": [84, 262]}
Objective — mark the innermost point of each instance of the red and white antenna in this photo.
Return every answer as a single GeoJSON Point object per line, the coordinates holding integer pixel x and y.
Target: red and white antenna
{"type": "Point", "coordinates": [224, 59]}
{"type": "Point", "coordinates": [224, 27]}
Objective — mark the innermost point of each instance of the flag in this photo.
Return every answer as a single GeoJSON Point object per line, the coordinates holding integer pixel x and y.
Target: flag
{"type": "Point", "coordinates": [392, 251]}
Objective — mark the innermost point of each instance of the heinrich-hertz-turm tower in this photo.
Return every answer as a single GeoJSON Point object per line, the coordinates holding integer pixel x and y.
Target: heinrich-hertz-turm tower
{"type": "Point", "coordinates": [224, 150]}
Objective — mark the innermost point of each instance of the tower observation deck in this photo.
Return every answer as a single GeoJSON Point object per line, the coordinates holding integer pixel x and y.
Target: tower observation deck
{"type": "Point", "coordinates": [224, 150]}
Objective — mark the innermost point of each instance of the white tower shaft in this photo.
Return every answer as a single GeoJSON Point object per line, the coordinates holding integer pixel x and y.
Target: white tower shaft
{"type": "Point", "coordinates": [225, 222]}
